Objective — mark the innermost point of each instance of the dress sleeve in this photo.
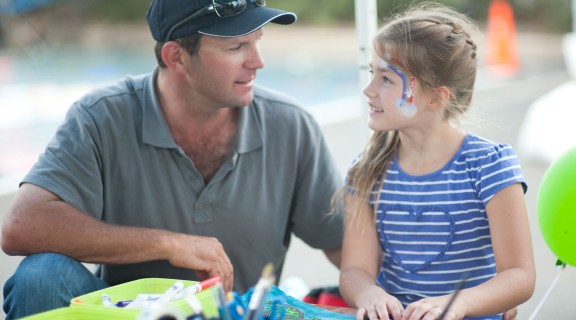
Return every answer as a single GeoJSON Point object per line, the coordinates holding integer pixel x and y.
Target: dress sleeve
{"type": "Point", "coordinates": [498, 169]}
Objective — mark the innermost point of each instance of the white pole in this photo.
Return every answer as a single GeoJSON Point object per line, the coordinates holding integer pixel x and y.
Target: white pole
{"type": "Point", "coordinates": [366, 18]}
{"type": "Point", "coordinates": [569, 45]}
{"type": "Point", "coordinates": [574, 16]}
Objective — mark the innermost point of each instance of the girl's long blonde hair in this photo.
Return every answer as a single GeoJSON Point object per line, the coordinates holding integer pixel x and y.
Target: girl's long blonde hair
{"type": "Point", "coordinates": [434, 44]}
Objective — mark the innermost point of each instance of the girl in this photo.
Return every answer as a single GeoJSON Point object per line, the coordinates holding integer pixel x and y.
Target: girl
{"type": "Point", "coordinates": [429, 206]}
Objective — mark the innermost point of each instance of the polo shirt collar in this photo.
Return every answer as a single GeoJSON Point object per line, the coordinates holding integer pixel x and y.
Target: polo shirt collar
{"type": "Point", "coordinates": [155, 130]}
{"type": "Point", "coordinates": [249, 130]}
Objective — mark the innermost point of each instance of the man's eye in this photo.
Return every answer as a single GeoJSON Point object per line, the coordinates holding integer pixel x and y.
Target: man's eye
{"type": "Point", "coordinates": [235, 48]}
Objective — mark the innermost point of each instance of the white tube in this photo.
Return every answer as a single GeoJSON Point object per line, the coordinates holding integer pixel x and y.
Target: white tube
{"type": "Point", "coordinates": [541, 303]}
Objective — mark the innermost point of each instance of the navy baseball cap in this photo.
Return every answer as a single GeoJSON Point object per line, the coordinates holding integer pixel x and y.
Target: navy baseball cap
{"type": "Point", "coordinates": [172, 19]}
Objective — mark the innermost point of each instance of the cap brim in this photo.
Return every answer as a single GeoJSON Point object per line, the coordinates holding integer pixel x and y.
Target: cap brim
{"type": "Point", "coordinates": [248, 21]}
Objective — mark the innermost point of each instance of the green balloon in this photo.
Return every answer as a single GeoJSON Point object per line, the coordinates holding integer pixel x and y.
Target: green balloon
{"type": "Point", "coordinates": [557, 207]}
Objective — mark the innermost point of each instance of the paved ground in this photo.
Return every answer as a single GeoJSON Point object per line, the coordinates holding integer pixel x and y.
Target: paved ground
{"type": "Point", "coordinates": [502, 105]}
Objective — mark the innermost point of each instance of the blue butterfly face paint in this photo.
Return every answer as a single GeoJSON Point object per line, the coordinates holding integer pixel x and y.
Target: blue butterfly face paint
{"type": "Point", "coordinates": [404, 104]}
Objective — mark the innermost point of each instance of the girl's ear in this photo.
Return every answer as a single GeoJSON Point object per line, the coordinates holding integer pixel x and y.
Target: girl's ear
{"type": "Point", "coordinates": [173, 55]}
{"type": "Point", "coordinates": [439, 98]}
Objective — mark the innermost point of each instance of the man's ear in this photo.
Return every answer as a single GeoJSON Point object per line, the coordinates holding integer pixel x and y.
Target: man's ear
{"type": "Point", "coordinates": [173, 55]}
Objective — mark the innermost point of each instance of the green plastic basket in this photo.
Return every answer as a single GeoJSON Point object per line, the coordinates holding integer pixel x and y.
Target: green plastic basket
{"type": "Point", "coordinates": [129, 291]}
{"type": "Point", "coordinates": [81, 314]}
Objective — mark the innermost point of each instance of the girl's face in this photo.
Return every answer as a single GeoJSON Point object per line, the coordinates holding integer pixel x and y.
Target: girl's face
{"type": "Point", "coordinates": [390, 95]}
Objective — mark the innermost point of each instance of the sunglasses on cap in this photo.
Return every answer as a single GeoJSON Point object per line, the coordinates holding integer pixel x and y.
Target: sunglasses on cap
{"type": "Point", "coordinates": [222, 8]}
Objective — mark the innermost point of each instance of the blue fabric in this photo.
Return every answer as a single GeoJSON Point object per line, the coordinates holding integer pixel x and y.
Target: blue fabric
{"type": "Point", "coordinates": [433, 228]}
{"type": "Point", "coordinates": [295, 309]}
{"type": "Point", "coordinates": [46, 281]}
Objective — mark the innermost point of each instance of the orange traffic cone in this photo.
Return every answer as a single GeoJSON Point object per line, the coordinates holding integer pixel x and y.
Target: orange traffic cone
{"type": "Point", "coordinates": [502, 54]}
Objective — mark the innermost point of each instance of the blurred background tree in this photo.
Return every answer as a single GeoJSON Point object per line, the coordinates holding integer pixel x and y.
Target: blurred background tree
{"type": "Point", "coordinates": [23, 22]}
{"type": "Point", "coordinates": [541, 15]}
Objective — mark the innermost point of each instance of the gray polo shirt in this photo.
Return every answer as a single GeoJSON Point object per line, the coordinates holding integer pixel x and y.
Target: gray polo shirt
{"type": "Point", "coordinates": [115, 159]}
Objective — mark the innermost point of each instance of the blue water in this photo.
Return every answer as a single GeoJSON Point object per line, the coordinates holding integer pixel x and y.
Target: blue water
{"type": "Point", "coordinates": [38, 85]}
{"type": "Point", "coordinates": [314, 83]}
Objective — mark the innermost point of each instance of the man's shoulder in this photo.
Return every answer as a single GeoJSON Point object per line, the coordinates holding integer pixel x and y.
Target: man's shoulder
{"type": "Point", "coordinates": [123, 88]}
{"type": "Point", "coordinates": [273, 102]}
{"type": "Point", "coordinates": [271, 96]}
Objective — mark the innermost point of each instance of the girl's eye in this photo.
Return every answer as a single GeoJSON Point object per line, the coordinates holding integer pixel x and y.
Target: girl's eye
{"type": "Point", "coordinates": [387, 80]}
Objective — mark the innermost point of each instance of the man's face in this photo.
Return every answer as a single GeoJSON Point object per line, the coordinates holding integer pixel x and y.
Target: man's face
{"type": "Point", "coordinates": [224, 69]}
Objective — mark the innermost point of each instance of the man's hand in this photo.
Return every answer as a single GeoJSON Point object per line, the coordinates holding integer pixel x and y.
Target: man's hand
{"type": "Point", "coordinates": [206, 256]}
{"type": "Point", "coordinates": [40, 221]}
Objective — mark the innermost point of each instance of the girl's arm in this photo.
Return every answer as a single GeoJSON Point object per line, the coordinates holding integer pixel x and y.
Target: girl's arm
{"type": "Point", "coordinates": [515, 279]}
{"type": "Point", "coordinates": [512, 243]}
{"type": "Point", "coordinates": [360, 264]}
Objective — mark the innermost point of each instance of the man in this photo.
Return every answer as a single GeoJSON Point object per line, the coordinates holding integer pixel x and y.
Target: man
{"type": "Point", "coordinates": [188, 172]}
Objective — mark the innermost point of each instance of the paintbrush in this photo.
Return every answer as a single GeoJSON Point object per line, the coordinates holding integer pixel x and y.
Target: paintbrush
{"type": "Point", "coordinates": [263, 286]}
{"type": "Point", "coordinates": [457, 290]}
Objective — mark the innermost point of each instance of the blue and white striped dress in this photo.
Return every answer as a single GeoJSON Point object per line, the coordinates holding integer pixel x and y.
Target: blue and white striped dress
{"type": "Point", "coordinates": [433, 228]}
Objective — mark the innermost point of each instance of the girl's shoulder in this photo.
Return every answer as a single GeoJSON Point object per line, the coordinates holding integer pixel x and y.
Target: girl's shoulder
{"type": "Point", "coordinates": [480, 149]}
{"type": "Point", "coordinates": [493, 166]}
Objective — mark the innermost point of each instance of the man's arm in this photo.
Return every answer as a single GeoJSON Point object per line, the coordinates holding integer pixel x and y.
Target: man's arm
{"type": "Point", "coordinates": [39, 221]}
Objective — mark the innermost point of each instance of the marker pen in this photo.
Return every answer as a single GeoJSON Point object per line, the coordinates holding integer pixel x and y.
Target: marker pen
{"type": "Point", "coordinates": [123, 303]}
{"type": "Point", "coordinates": [149, 298]}
{"type": "Point", "coordinates": [161, 312]}
{"type": "Point", "coordinates": [196, 306]}
{"type": "Point", "coordinates": [197, 287]}
{"type": "Point", "coordinates": [170, 293]}
{"type": "Point", "coordinates": [261, 289]}
{"type": "Point", "coordinates": [106, 301]}
{"type": "Point", "coordinates": [221, 302]}
{"type": "Point", "coordinates": [141, 301]}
